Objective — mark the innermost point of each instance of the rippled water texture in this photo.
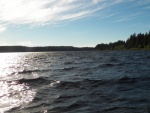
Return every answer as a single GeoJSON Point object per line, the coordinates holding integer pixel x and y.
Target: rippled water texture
{"type": "Point", "coordinates": [75, 82]}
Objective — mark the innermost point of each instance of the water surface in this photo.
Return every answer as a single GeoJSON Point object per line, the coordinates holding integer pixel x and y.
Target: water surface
{"type": "Point", "coordinates": [75, 82]}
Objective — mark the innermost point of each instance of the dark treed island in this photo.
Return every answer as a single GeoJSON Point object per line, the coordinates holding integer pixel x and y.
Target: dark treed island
{"type": "Point", "coordinates": [134, 42]}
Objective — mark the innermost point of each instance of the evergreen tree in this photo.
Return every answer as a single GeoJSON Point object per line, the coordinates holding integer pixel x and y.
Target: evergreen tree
{"type": "Point", "coordinates": [134, 41]}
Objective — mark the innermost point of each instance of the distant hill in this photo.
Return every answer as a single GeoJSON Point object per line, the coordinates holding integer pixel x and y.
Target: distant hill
{"type": "Point", "coordinates": [135, 41]}
{"type": "Point", "coordinates": [42, 49]}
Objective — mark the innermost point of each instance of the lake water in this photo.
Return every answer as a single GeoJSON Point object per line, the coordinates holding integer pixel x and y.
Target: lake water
{"type": "Point", "coordinates": [75, 82]}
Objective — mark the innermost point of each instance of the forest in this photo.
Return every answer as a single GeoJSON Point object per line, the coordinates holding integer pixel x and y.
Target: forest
{"type": "Point", "coordinates": [42, 49]}
{"type": "Point", "coordinates": [134, 42]}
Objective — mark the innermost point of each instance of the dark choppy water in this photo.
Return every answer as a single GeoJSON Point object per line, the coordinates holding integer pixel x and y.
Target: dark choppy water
{"type": "Point", "coordinates": [75, 82]}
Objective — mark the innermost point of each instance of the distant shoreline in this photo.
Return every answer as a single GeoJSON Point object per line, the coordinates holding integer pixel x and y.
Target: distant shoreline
{"type": "Point", "coordinates": [134, 42]}
{"type": "Point", "coordinates": [34, 49]}
{"type": "Point", "coordinates": [43, 49]}
{"type": "Point", "coordinates": [6, 49]}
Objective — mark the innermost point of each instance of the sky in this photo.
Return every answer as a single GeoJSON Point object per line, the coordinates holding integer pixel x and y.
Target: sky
{"type": "Point", "coordinates": [79, 23]}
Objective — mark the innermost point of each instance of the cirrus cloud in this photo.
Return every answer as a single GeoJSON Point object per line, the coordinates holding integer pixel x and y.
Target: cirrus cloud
{"type": "Point", "coordinates": [39, 12]}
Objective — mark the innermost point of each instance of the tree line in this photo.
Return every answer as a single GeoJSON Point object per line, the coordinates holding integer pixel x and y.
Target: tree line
{"type": "Point", "coordinates": [42, 49]}
{"type": "Point", "coordinates": [135, 41]}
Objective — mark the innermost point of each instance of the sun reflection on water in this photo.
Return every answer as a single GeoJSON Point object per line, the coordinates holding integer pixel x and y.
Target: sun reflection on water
{"type": "Point", "coordinates": [13, 94]}
{"type": "Point", "coordinates": [8, 63]}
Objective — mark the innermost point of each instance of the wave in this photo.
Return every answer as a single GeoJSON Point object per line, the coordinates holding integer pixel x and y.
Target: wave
{"type": "Point", "coordinates": [64, 97]}
{"type": "Point", "coordinates": [86, 68]}
{"type": "Point", "coordinates": [31, 71]}
{"type": "Point", "coordinates": [68, 85]}
{"type": "Point", "coordinates": [89, 89]}
{"type": "Point", "coordinates": [36, 81]}
{"type": "Point", "coordinates": [109, 65]}
{"type": "Point", "coordinates": [84, 83]}
{"type": "Point", "coordinates": [127, 80]}
{"type": "Point", "coordinates": [112, 59]}
{"type": "Point", "coordinates": [70, 107]}
{"type": "Point", "coordinates": [33, 79]}
{"type": "Point", "coordinates": [40, 81]}
{"type": "Point", "coordinates": [67, 63]}
{"type": "Point", "coordinates": [89, 83]}
{"type": "Point", "coordinates": [67, 69]}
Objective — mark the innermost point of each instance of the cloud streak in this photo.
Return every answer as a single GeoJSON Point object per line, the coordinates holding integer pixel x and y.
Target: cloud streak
{"type": "Point", "coordinates": [129, 17]}
{"type": "Point", "coordinates": [40, 12]}
{"type": "Point", "coordinates": [2, 28]}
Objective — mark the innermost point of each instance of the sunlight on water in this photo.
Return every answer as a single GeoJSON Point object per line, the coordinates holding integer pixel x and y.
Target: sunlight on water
{"type": "Point", "coordinates": [9, 63]}
{"type": "Point", "coordinates": [13, 95]}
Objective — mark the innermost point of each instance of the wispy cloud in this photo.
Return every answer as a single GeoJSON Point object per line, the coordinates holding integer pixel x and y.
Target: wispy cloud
{"type": "Point", "coordinates": [134, 10]}
{"type": "Point", "coordinates": [2, 28]}
{"type": "Point", "coordinates": [143, 2]}
{"type": "Point", "coordinates": [129, 17]}
{"type": "Point", "coordinates": [4, 42]}
{"type": "Point", "coordinates": [147, 7]}
{"type": "Point", "coordinates": [25, 43]}
{"type": "Point", "coordinates": [41, 12]}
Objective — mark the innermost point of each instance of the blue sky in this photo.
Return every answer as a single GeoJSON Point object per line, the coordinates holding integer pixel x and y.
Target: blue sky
{"type": "Point", "coordinates": [71, 22]}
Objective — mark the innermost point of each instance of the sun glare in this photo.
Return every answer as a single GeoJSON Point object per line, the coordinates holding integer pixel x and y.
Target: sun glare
{"type": "Point", "coordinates": [12, 92]}
{"type": "Point", "coordinates": [13, 95]}
{"type": "Point", "coordinates": [9, 64]}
